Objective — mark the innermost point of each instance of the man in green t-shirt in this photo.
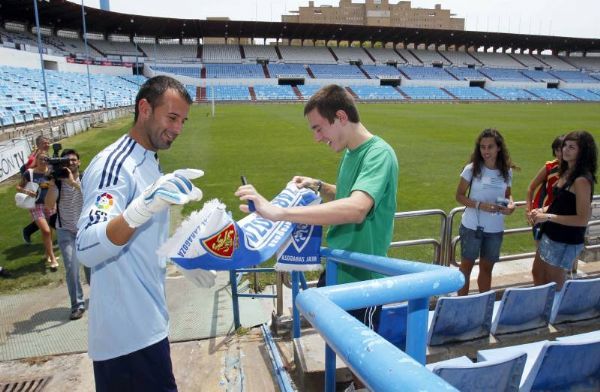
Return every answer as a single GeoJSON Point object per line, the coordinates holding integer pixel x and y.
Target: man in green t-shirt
{"type": "Point", "coordinates": [359, 208]}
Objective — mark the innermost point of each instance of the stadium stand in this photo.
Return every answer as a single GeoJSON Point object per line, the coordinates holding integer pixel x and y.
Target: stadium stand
{"type": "Point", "coordinates": [171, 53]}
{"type": "Point", "coordinates": [287, 70]}
{"type": "Point", "coordinates": [513, 94]}
{"type": "Point", "coordinates": [347, 55]}
{"type": "Point", "coordinates": [573, 76]}
{"type": "Point", "coordinates": [503, 74]}
{"type": "Point", "coordinates": [471, 93]}
{"type": "Point", "coordinates": [528, 60]}
{"type": "Point", "coordinates": [306, 55]}
{"type": "Point", "coordinates": [274, 93]}
{"type": "Point", "coordinates": [425, 73]}
{"type": "Point", "coordinates": [192, 72]}
{"type": "Point", "coordinates": [555, 62]}
{"type": "Point", "coordinates": [584, 95]}
{"type": "Point", "coordinates": [586, 63]}
{"type": "Point", "coordinates": [474, 322]}
{"type": "Point", "coordinates": [497, 60]}
{"type": "Point", "coordinates": [551, 94]}
{"type": "Point", "coordinates": [492, 375]}
{"type": "Point", "coordinates": [262, 52]}
{"type": "Point", "coordinates": [382, 71]}
{"type": "Point", "coordinates": [460, 59]}
{"type": "Point", "coordinates": [234, 71]}
{"type": "Point", "coordinates": [115, 48]}
{"type": "Point", "coordinates": [307, 91]}
{"type": "Point", "coordinates": [376, 92]}
{"type": "Point", "coordinates": [539, 76]}
{"type": "Point", "coordinates": [228, 93]}
{"type": "Point", "coordinates": [408, 56]}
{"type": "Point", "coordinates": [214, 53]}
{"type": "Point", "coordinates": [464, 73]}
{"type": "Point", "coordinates": [331, 71]}
{"type": "Point", "coordinates": [425, 93]}
{"type": "Point", "coordinates": [429, 57]}
{"type": "Point", "coordinates": [385, 56]}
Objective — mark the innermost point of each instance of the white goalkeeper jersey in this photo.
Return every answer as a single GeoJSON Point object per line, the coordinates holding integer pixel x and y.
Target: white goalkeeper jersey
{"type": "Point", "coordinates": [128, 309]}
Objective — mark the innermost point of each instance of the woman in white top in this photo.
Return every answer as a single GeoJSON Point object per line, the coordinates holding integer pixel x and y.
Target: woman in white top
{"type": "Point", "coordinates": [485, 189]}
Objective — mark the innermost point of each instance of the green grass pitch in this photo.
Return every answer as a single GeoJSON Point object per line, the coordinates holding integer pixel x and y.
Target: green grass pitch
{"type": "Point", "coordinates": [270, 143]}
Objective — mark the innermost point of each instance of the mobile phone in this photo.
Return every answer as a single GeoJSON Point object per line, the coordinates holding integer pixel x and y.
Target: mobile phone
{"type": "Point", "coordinates": [250, 202]}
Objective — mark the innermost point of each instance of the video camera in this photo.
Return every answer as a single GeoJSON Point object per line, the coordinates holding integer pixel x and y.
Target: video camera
{"type": "Point", "coordinates": [58, 164]}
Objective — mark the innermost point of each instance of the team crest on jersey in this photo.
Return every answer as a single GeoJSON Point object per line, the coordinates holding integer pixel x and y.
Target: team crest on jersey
{"type": "Point", "coordinates": [224, 243]}
{"type": "Point", "coordinates": [105, 202]}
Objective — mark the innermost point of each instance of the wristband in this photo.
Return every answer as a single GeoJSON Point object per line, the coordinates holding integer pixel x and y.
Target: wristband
{"type": "Point", "coordinates": [319, 185]}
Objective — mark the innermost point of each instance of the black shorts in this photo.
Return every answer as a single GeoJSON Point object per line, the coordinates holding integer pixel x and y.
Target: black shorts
{"type": "Point", "coordinates": [148, 369]}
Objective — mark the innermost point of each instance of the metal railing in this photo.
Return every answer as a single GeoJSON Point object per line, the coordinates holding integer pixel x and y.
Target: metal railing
{"type": "Point", "coordinates": [438, 245]}
{"type": "Point", "coordinates": [378, 363]}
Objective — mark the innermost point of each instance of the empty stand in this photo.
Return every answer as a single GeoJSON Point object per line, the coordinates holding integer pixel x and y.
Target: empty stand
{"type": "Point", "coordinates": [307, 91]}
{"type": "Point", "coordinates": [460, 59]}
{"type": "Point", "coordinates": [227, 93]}
{"type": "Point", "coordinates": [584, 95]}
{"type": "Point", "coordinates": [471, 93]}
{"type": "Point", "coordinates": [385, 56]}
{"type": "Point", "coordinates": [425, 93]}
{"type": "Point", "coordinates": [347, 55]}
{"type": "Point", "coordinates": [587, 63]}
{"type": "Point", "coordinates": [408, 56]}
{"type": "Point", "coordinates": [429, 57]}
{"type": "Point", "coordinates": [578, 300]}
{"type": "Point", "coordinates": [331, 71]}
{"type": "Point", "coordinates": [376, 92]}
{"type": "Point", "coordinates": [510, 314]}
{"type": "Point", "coordinates": [190, 71]}
{"type": "Point", "coordinates": [461, 318]}
{"type": "Point", "coordinates": [274, 92]}
{"type": "Point", "coordinates": [306, 54]}
{"type": "Point", "coordinates": [497, 60]}
{"type": "Point", "coordinates": [551, 94]}
{"type": "Point", "coordinates": [513, 94]}
{"type": "Point", "coordinates": [573, 76]}
{"type": "Point", "coordinates": [528, 60]}
{"type": "Point", "coordinates": [464, 73]}
{"type": "Point", "coordinates": [539, 76]}
{"type": "Point", "coordinates": [503, 74]}
{"type": "Point", "coordinates": [555, 62]}
{"type": "Point", "coordinates": [171, 53]}
{"type": "Point", "coordinates": [221, 54]}
{"type": "Point", "coordinates": [234, 71]}
{"type": "Point", "coordinates": [382, 71]}
{"type": "Point", "coordinates": [287, 70]}
{"type": "Point", "coordinates": [425, 73]}
{"type": "Point", "coordinates": [260, 52]}
{"type": "Point", "coordinates": [501, 374]}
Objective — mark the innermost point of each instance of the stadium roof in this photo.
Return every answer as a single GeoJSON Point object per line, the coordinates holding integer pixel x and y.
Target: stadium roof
{"type": "Point", "coordinates": [62, 14]}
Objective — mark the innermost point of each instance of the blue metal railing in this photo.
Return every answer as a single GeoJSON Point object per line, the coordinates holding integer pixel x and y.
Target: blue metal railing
{"type": "Point", "coordinates": [379, 364]}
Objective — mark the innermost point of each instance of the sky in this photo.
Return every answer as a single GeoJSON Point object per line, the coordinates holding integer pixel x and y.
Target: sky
{"type": "Point", "coordinates": [568, 18]}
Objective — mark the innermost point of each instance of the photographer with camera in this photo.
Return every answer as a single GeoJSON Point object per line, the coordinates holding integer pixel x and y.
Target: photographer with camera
{"type": "Point", "coordinates": [65, 193]}
{"type": "Point", "coordinates": [485, 189]}
{"type": "Point", "coordinates": [40, 174]}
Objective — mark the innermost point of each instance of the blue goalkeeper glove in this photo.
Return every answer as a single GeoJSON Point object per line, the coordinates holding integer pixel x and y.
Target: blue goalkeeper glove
{"type": "Point", "coordinates": [172, 188]}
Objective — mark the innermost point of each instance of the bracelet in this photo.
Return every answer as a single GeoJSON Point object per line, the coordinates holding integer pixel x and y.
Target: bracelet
{"type": "Point", "coordinates": [319, 185]}
{"type": "Point", "coordinates": [550, 217]}
{"type": "Point", "coordinates": [477, 203]}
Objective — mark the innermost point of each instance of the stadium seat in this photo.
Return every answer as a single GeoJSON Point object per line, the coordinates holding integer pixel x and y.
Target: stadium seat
{"type": "Point", "coordinates": [457, 319]}
{"type": "Point", "coordinates": [578, 300]}
{"type": "Point", "coordinates": [392, 324]}
{"type": "Point", "coordinates": [563, 365]}
{"type": "Point", "coordinates": [511, 316]}
{"type": "Point", "coordinates": [502, 374]}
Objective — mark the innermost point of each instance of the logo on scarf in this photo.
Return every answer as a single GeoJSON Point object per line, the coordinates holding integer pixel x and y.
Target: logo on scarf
{"type": "Point", "coordinates": [223, 243]}
{"type": "Point", "coordinates": [301, 235]}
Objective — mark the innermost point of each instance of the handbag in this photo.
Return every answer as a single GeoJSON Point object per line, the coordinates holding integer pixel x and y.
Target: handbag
{"type": "Point", "coordinates": [23, 200]}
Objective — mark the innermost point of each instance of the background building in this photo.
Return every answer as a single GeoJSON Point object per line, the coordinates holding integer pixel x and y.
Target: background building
{"type": "Point", "coordinates": [377, 13]}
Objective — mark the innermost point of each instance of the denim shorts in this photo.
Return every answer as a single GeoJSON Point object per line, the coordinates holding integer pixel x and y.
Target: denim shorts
{"type": "Point", "coordinates": [486, 247]}
{"type": "Point", "coordinates": [559, 254]}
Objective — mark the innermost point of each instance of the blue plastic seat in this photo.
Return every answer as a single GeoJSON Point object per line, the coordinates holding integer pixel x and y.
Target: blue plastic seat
{"type": "Point", "coordinates": [498, 375]}
{"type": "Point", "coordinates": [578, 300]}
{"type": "Point", "coordinates": [458, 319]}
{"type": "Point", "coordinates": [511, 316]}
{"type": "Point", "coordinates": [564, 365]}
{"type": "Point", "coordinates": [392, 324]}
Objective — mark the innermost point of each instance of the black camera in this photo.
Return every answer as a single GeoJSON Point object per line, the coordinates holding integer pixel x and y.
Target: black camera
{"type": "Point", "coordinates": [58, 165]}
{"type": "Point", "coordinates": [479, 232]}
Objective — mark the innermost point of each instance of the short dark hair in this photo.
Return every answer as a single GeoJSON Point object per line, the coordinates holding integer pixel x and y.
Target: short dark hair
{"type": "Point", "coordinates": [69, 151]}
{"type": "Point", "coordinates": [329, 99]}
{"type": "Point", "coordinates": [153, 89]}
